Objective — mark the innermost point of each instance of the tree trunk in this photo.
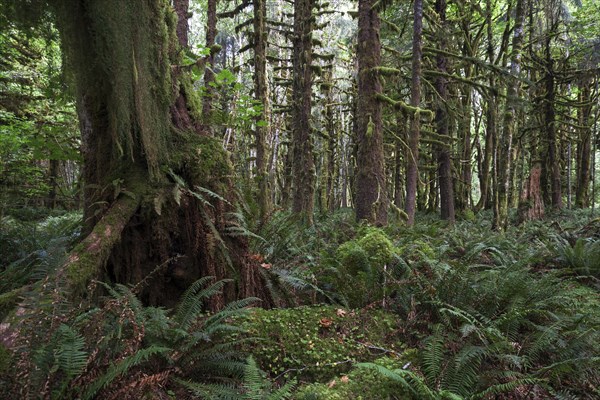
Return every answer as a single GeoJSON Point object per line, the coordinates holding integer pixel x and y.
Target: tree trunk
{"type": "Point", "coordinates": [261, 93]}
{"type": "Point", "coordinates": [371, 193]}
{"type": "Point", "coordinates": [332, 140]}
{"type": "Point", "coordinates": [584, 146]}
{"type": "Point", "coordinates": [303, 168]}
{"type": "Point", "coordinates": [398, 161]}
{"type": "Point", "coordinates": [444, 161]}
{"type": "Point", "coordinates": [531, 205]}
{"type": "Point", "coordinates": [53, 168]}
{"type": "Point", "coordinates": [147, 164]}
{"type": "Point", "coordinates": [209, 75]}
{"type": "Point", "coordinates": [412, 165]}
{"type": "Point", "coordinates": [509, 124]}
{"type": "Point", "coordinates": [550, 125]}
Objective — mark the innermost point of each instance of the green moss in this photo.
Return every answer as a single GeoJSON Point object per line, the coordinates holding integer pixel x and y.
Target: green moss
{"type": "Point", "coordinates": [358, 384]}
{"type": "Point", "coordinates": [193, 100]}
{"type": "Point", "coordinates": [370, 128]}
{"type": "Point", "coordinates": [361, 264]}
{"type": "Point", "coordinates": [208, 164]}
{"type": "Point", "coordinates": [130, 77]}
{"type": "Point", "coordinates": [316, 342]}
{"type": "Point", "coordinates": [79, 274]}
{"type": "Point", "coordinates": [468, 215]}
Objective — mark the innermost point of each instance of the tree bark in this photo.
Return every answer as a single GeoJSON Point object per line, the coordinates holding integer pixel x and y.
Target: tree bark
{"type": "Point", "coordinates": [550, 126]}
{"type": "Point", "coordinates": [303, 168]}
{"type": "Point", "coordinates": [509, 124]}
{"type": "Point", "coordinates": [371, 192]}
{"type": "Point", "coordinates": [444, 161]}
{"type": "Point", "coordinates": [584, 146]}
{"type": "Point", "coordinates": [147, 164]}
{"type": "Point", "coordinates": [412, 165]}
{"type": "Point", "coordinates": [209, 75]}
{"type": "Point", "coordinates": [262, 95]}
{"type": "Point", "coordinates": [531, 205]}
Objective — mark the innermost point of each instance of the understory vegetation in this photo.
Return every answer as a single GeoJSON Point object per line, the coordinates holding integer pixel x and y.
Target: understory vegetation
{"type": "Point", "coordinates": [299, 199]}
{"type": "Point", "coordinates": [430, 312]}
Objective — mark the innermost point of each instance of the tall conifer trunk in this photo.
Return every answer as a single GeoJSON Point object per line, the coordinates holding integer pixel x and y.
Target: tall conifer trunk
{"type": "Point", "coordinates": [303, 167]}
{"type": "Point", "coordinates": [491, 117]}
{"type": "Point", "coordinates": [412, 164]}
{"type": "Point", "coordinates": [504, 162]}
{"type": "Point", "coordinates": [371, 192]}
{"type": "Point", "coordinates": [550, 126]}
{"type": "Point", "coordinates": [209, 75]}
{"type": "Point", "coordinates": [261, 93]}
{"type": "Point", "coordinates": [444, 161]}
{"type": "Point", "coordinates": [584, 146]}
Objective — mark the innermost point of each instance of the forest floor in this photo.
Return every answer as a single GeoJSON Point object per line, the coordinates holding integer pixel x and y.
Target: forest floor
{"type": "Point", "coordinates": [430, 312]}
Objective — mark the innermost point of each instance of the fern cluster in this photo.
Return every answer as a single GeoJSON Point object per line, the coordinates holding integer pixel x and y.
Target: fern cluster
{"type": "Point", "coordinates": [123, 348]}
{"type": "Point", "coordinates": [496, 326]}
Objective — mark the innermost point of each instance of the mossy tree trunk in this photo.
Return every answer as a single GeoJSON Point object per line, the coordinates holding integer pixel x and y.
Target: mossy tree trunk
{"type": "Point", "coordinates": [505, 150]}
{"type": "Point", "coordinates": [209, 75]}
{"type": "Point", "coordinates": [412, 162]}
{"type": "Point", "coordinates": [491, 117]}
{"type": "Point", "coordinates": [553, 155]}
{"type": "Point", "coordinates": [442, 150]}
{"type": "Point", "coordinates": [148, 166]}
{"type": "Point", "coordinates": [261, 93]}
{"type": "Point", "coordinates": [303, 165]}
{"type": "Point", "coordinates": [332, 140]}
{"type": "Point", "coordinates": [584, 145]}
{"type": "Point", "coordinates": [371, 192]}
{"type": "Point", "coordinates": [400, 161]}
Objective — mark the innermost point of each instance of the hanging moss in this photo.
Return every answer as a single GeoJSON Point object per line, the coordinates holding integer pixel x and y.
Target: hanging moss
{"type": "Point", "coordinates": [193, 100]}
{"type": "Point", "coordinates": [120, 66]}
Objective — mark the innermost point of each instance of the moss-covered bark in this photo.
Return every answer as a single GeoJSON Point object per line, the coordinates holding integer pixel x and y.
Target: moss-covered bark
{"type": "Point", "coordinates": [584, 146]}
{"type": "Point", "coordinates": [262, 131]}
{"type": "Point", "coordinates": [303, 167]}
{"type": "Point", "coordinates": [442, 149]}
{"type": "Point", "coordinates": [157, 187]}
{"type": "Point", "coordinates": [504, 163]}
{"type": "Point", "coordinates": [371, 190]}
{"type": "Point", "coordinates": [412, 162]}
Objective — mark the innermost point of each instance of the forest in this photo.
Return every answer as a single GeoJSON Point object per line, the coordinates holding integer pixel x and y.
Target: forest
{"type": "Point", "coordinates": [299, 199]}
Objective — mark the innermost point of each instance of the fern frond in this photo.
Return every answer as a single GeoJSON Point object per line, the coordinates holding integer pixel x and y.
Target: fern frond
{"type": "Point", "coordinates": [121, 368]}
{"type": "Point", "coordinates": [433, 355]}
{"type": "Point", "coordinates": [210, 390]}
{"type": "Point", "coordinates": [70, 355]}
{"type": "Point", "coordinates": [192, 301]}
{"type": "Point", "coordinates": [502, 388]}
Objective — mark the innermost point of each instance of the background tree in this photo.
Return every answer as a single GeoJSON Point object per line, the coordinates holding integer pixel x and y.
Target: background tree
{"type": "Point", "coordinates": [412, 171]}
{"type": "Point", "coordinates": [303, 169]}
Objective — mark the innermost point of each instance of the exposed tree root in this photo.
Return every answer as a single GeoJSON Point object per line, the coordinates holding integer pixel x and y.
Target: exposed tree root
{"type": "Point", "coordinates": [86, 260]}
